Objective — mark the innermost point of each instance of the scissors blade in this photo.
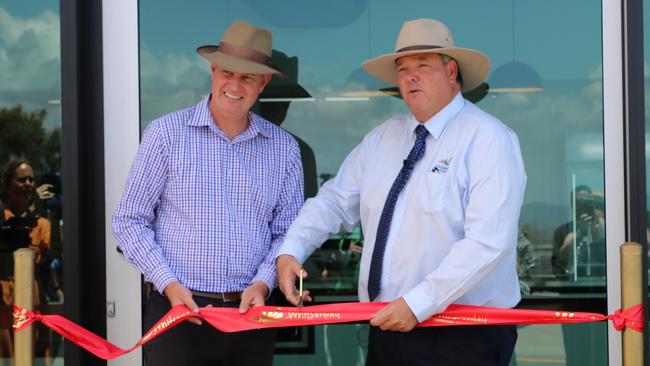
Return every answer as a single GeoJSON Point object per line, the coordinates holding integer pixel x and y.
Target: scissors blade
{"type": "Point", "coordinates": [300, 295]}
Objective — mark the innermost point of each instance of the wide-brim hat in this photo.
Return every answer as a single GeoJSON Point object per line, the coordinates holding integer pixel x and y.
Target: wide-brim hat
{"type": "Point", "coordinates": [287, 87]}
{"type": "Point", "coordinates": [243, 48]}
{"type": "Point", "coordinates": [430, 36]}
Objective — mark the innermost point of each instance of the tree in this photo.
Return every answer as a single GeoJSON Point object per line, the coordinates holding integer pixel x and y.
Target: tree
{"type": "Point", "coordinates": [22, 135]}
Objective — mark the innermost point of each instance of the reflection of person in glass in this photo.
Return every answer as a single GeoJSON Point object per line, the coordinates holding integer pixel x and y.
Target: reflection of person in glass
{"type": "Point", "coordinates": [447, 224]}
{"type": "Point", "coordinates": [579, 245]}
{"type": "Point", "coordinates": [210, 194]}
{"type": "Point", "coordinates": [21, 227]}
{"type": "Point", "coordinates": [274, 105]}
{"type": "Point", "coordinates": [526, 261]}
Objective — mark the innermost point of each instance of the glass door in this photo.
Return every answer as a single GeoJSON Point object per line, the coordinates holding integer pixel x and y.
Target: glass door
{"type": "Point", "coordinates": [31, 197]}
{"type": "Point", "coordinates": [552, 84]}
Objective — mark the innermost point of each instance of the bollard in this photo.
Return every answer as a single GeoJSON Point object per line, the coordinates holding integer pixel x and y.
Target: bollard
{"type": "Point", "coordinates": [631, 294]}
{"type": "Point", "coordinates": [24, 297]}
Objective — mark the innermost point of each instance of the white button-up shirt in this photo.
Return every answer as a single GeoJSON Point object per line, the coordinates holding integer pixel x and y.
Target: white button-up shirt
{"type": "Point", "coordinates": [454, 231]}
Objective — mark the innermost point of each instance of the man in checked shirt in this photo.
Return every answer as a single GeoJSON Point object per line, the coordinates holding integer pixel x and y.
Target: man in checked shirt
{"type": "Point", "coordinates": [210, 195]}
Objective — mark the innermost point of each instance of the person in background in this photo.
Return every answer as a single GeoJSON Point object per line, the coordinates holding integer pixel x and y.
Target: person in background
{"type": "Point", "coordinates": [583, 236]}
{"type": "Point", "coordinates": [21, 227]}
{"type": "Point", "coordinates": [526, 261]}
{"type": "Point", "coordinates": [273, 106]}
{"type": "Point", "coordinates": [438, 192]}
{"type": "Point", "coordinates": [210, 195]}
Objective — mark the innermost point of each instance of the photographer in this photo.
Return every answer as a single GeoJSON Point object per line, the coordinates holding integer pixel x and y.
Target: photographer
{"type": "Point", "coordinates": [20, 228]}
{"type": "Point", "coordinates": [588, 235]}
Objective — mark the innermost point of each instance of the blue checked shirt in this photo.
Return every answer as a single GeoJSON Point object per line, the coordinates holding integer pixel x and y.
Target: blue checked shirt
{"type": "Point", "coordinates": [206, 211]}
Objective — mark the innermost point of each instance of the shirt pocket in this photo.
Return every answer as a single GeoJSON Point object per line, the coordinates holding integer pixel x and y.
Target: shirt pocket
{"type": "Point", "coordinates": [433, 192]}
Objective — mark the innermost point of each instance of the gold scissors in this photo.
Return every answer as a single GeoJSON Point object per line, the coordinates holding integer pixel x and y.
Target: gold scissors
{"type": "Point", "coordinates": [300, 297]}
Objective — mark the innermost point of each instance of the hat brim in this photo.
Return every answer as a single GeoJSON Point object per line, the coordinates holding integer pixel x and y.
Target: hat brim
{"type": "Point", "coordinates": [285, 91]}
{"type": "Point", "coordinates": [233, 63]}
{"type": "Point", "coordinates": [474, 65]}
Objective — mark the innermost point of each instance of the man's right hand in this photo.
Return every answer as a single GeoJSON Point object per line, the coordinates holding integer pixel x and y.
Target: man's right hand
{"type": "Point", "coordinates": [179, 294]}
{"type": "Point", "coordinates": [288, 270]}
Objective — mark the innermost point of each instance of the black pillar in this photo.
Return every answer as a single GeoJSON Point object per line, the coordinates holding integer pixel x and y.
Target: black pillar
{"type": "Point", "coordinates": [84, 272]}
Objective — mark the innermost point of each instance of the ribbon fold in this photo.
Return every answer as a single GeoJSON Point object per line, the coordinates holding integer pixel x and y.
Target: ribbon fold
{"type": "Point", "coordinates": [229, 320]}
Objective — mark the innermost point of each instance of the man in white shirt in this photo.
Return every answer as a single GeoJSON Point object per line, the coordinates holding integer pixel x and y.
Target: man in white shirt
{"type": "Point", "coordinates": [445, 230]}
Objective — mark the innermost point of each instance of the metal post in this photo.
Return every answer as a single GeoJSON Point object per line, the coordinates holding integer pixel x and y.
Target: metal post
{"type": "Point", "coordinates": [631, 294]}
{"type": "Point", "coordinates": [24, 297]}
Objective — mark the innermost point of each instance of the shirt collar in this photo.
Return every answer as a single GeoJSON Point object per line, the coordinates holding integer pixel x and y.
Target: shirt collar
{"type": "Point", "coordinates": [203, 117]}
{"type": "Point", "coordinates": [437, 123]}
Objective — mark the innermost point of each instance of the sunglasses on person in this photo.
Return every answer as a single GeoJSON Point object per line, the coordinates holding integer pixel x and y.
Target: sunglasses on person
{"type": "Point", "coordinates": [25, 179]}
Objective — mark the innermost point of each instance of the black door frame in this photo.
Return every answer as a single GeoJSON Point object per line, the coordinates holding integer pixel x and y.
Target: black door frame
{"type": "Point", "coordinates": [82, 111]}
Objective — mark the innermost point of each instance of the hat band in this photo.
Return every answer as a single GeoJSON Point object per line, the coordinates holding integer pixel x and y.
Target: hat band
{"type": "Point", "coordinates": [245, 53]}
{"type": "Point", "coordinates": [417, 48]}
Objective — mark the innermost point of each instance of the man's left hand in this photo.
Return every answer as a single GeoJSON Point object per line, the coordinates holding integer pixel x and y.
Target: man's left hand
{"type": "Point", "coordinates": [253, 296]}
{"type": "Point", "coordinates": [396, 316]}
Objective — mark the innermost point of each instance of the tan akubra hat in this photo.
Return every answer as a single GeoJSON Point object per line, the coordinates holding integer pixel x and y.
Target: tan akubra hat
{"type": "Point", "coordinates": [243, 48]}
{"type": "Point", "coordinates": [430, 36]}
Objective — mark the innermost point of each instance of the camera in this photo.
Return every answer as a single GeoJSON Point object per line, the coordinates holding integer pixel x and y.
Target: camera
{"type": "Point", "coordinates": [14, 234]}
{"type": "Point", "coordinates": [585, 207]}
{"type": "Point", "coordinates": [54, 180]}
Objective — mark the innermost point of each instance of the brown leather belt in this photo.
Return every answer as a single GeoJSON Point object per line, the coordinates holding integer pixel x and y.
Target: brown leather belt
{"type": "Point", "coordinates": [222, 296]}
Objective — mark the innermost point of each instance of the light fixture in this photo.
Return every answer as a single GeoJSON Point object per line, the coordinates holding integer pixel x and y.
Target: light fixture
{"type": "Point", "coordinates": [360, 86]}
{"type": "Point", "coordinates": [515, 76]}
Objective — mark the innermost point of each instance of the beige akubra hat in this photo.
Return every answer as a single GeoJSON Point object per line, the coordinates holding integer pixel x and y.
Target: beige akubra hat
{"type": "Point", "coordinates": [430, 36]}
{"type": "Point", "coordinates": [243, 48]}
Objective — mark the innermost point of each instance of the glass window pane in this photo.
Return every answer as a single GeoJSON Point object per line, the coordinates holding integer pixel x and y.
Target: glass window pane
{"type": "Point", "coordinates": [646, 59]}
{"type": "Point", "coordinates": [30, 156]}
{"type": "Point", "coordinates": [546, 84]}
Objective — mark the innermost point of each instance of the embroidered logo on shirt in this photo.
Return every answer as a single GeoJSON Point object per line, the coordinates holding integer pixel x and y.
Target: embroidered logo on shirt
{"type": "Point", "coordinates": [442, 166]}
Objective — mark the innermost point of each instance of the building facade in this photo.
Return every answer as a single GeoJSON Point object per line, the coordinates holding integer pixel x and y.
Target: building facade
{"type": "Point", "coordinates": [568, 77]}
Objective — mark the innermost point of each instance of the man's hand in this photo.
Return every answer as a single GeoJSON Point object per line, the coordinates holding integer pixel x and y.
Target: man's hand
{"type": "Point", "coordinates": [288, 270]}
{"type": "Point", "coordinates": [396, 316]}
{"type": "Point", "coordinates": [179, 294]}
{"type": "Point", "coordinates": [253, 296]}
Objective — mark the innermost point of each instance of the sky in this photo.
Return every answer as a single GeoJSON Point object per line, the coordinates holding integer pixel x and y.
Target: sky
{"type": "Point", "coordinates": [30, 59]}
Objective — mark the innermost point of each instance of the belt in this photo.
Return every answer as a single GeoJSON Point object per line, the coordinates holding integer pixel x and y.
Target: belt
{"type": "Point", "coordinates": [222, 296]}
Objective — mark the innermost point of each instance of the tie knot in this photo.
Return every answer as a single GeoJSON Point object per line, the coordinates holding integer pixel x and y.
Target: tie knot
{"type": "Point", "coordinates": [421, 132]}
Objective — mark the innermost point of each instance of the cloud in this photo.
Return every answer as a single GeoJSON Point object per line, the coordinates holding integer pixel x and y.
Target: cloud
{"type": "Point", "coordinates": [30, 63]}
{"type": "Point", "coordinates": [30, 51]}
{"type": "Point", "coordinates": [171, 82]}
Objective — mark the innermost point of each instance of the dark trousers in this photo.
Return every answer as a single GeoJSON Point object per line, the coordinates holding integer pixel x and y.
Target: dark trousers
{"type": "Point", "coordinates": [443, 346]}
{"type": "Point", "coordinates": [193, 345]}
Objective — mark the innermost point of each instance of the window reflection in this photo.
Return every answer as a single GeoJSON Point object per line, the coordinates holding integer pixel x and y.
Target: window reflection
{"type": "Point", "coordinates": [30, 155]}
{"type": "Point", "coordinates": [559, 125]}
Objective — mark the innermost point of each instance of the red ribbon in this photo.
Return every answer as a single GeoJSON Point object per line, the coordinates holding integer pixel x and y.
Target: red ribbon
{"type": "Point", "coordinates": [229, 320]}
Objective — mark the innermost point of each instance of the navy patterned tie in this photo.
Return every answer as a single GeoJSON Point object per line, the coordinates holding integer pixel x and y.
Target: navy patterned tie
{"type": "Point", "coordinates": [374, 277]}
